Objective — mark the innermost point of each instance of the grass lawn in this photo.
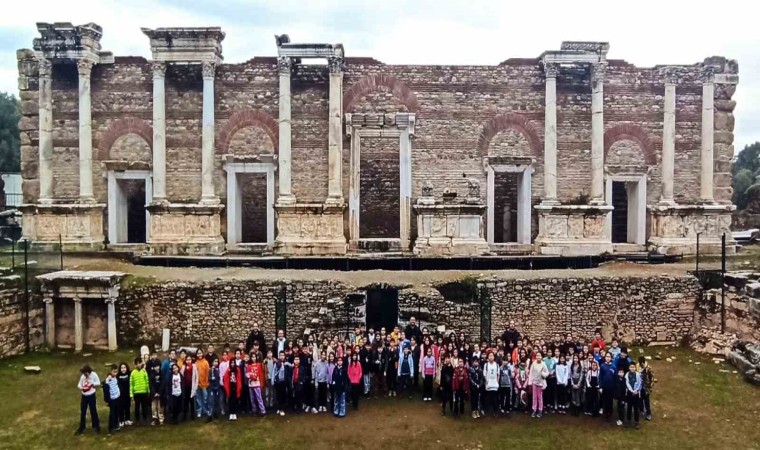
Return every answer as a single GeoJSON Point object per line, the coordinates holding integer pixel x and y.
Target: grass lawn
{"type": "Point", "coordinates": [695, 406]}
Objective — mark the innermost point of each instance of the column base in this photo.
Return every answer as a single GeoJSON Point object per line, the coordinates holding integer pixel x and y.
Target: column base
{"type": "Point", "coordinates": [185, 229]}
{"type": "Point", "coordinates": [572, 230]}
{"type": "Point", "coordinates": [310, 229]}
{"type": "Point", "coordinates": [449, 229]}
{"type": "Point", "coordinates": [674, 229]}
{"type": "Point", "coordinates": [74, 226]}
{"type": "Point", "coordinates": [286, 200]}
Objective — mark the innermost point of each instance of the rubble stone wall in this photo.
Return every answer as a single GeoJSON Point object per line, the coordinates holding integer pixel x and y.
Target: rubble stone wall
{"type": "Point", "coordinates": [12, 318]}
{"type": "Point", "coordinates": [639, 309]}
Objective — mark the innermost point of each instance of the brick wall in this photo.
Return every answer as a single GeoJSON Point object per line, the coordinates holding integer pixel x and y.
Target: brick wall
{"type": "Point", "coordinates": [454, 105]}
{"type": "Point", "coordinates": [379, 186]}
{"type": "Point", "coordinates": [13, 321]}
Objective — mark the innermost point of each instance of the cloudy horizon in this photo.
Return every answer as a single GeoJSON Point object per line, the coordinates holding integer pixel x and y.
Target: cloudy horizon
{"type": "Point", "coordinates": [428, 32]}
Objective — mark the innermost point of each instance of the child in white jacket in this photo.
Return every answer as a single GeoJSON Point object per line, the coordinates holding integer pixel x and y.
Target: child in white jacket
{"type": "Point", "coordinates": [563, 373]}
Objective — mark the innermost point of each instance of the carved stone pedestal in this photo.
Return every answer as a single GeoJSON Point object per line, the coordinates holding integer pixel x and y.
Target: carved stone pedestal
{"type": "Point", "coordinates": [310, 229]}
{"type": "Point", "coordinates": [572, 230]}
{"type": "Point", "coordinates": [674, 229]}
{"type": "Point", "coordinates": [79, 227]}
{"type": "Point", "coordinates": [185, 229]}
{"type": "Point", "coordinates": [449, 229]}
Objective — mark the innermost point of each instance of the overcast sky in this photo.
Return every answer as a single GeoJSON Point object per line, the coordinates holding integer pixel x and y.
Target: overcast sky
{"type": "Point", "coordinates": [643, 32]}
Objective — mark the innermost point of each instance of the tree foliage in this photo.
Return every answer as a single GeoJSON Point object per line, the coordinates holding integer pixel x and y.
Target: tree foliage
{"type": "Point", "coordinates": [746, 174]}
{"type": "Point", "coordinates": [9, 137]}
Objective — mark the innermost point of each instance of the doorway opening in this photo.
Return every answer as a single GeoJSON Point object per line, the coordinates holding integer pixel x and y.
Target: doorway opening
{"type": "Point", "coordinates": [620, 213]}
{"type": "Point", "coordinates": [505, 207]}
{"type": "Point", "coordinates": [382, 309]}
{"type": "Point", "coordinates": [379, 187]}
{"type": "Point", "coordinates": [129, 192]}
{"type": "Point", "coordinates": [253, 199]}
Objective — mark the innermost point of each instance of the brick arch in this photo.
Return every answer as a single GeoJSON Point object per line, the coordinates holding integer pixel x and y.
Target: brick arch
{"type": "Point", "coordinates": [631, 132]}
{"type": "Point", "coordinates": [246, 118]}
{"type": "Point", "coordinates": [121, 127]}
{"type": "Point", "coordinates": [510, 121]}
{"type": "Point", "coordinates": [370, 83]}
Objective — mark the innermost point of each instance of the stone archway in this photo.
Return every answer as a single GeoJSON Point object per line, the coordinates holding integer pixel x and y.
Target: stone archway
{"type": "Point", "coordinates": [370, 83]}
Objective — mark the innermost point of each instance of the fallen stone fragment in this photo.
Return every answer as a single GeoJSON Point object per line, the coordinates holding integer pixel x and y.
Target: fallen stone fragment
{"type": "Point", "coordinates": [32, 369]}
{"type": "Point", "coordinates": [86, 354]}
{"type": "Point", "coordinates": [668, 360]}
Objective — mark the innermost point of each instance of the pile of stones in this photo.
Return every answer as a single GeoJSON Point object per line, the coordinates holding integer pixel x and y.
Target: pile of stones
{"type": "Point", "coordinates": [745, 356]}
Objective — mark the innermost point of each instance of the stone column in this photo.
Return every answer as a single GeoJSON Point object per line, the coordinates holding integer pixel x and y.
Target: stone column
{"type": "Point", "coordinates": [49, 321]}
{"type": "Point", "coordinates": [597, 133]}
{"type": "Point", "coordinates": [46, 131]}
{"type": "Point", "coordinates": [708, 97]}
{"type": "Point", "coordinates": [207, 142]}
{"type": "Point", "coordinates": [335, 135]}
{"type": "Point", "coordinates": [113, 295]}
{"type": "Point", "coordinates": [550, 136]}
{"type": "Point", "coordinates": [284, 65]}
{"type": "Point", "coordinates": [159, 132]}
{"type": "Point", "coordinates": [78, 325]}
{"type": "Point", "coordinates": [668, 139]}
{"type": "Point", "coordinates": [85, 132]}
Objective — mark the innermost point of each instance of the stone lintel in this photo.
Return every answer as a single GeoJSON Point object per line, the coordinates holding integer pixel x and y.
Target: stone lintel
{"type": "Point", "coordinates": [563, 57]}
{"type": "Point", "coordinates": [186, 44]}
{"type": "Point", "coordinates": [307, 50]}
{"type": "Point", "coordinates": [600, 48]}
{"type": "Point", "coordinates": [123, 165]}
{"type": "Point", "coordinates": [92, 279]}
{"type": "Point", "coordinates": [691, 209]}
{"type": "Point", "coordinates": [267, 158]}
{"type": "Point", "coordinates": [447, 209]}
{"type": "Point", "coordinates": [573, 209]}
{"type": "Point", "coordinates": [184, 208]}
{"type": "Point", "coordinates": [64, 42]}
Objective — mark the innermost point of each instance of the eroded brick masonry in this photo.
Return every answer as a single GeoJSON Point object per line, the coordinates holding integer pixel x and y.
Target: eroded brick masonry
{"type": "Point", "coordinates": [357, 150]}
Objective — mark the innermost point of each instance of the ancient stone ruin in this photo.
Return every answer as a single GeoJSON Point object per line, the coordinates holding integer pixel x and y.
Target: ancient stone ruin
{"type": "Point", "coordinates": [563, 153]}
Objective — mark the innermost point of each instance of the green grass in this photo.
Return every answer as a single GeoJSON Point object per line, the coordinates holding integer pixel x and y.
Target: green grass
{"type": "Point", "coordinates": [695, 406]}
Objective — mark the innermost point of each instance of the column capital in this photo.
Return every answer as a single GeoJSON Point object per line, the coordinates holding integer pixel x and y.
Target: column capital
{"type": "Point", "coordinates": [77, 299]}
{"type": "Point", "coordinates": [551, 70]}
{"type": "Point", "coordinates": [45, 68]}
{"type": "Point", "coordinates": [336, 64]}
{"type": "Point", "coordinates": [707, 75]}
{"type": "Point", "coordinates": [284, 65]}
{"type": "Point", "coordinates": [598, 72]}
{"type": "Point", "coordinates": [159, 69]}
{"type": "Point", "coordinates": [47, 298]}
{"type": "Point", "coordinates": [670, 75]}
{"type": "Point", "coordinates": [209, 69]}
{"type": "Point", "coordinates": [84, 67]}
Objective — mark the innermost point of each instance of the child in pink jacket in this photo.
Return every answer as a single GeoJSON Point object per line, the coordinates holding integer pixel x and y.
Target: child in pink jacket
{"type": "Point", "coordinates": [355, 378]}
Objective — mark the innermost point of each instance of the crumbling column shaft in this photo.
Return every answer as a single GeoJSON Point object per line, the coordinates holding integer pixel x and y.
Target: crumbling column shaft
{"type": "Point", "coordinates": [706, 179]}
{"type": "Point", "coordinates": [159, 132]}
{"type": "Point", "coordinates": [50, 322]}
{"type": "Point", "coordinates": [45, 132]}
{"type": "Point", "coordinates": [597, 133]}
{"type": "Point", "coordinates": [207, 138]}
{"type": "Point", "coordinates": [668, 142]}
{"type": "Point", "coordinates": [335, 135]}
{"type": "Point", "coordinates": [550, 136]}
{"type": "Point", "coordinates": [283, 157]}
{"type": "Point", "coordinates": [111, 305]}
{"type": "Point", "coordinates": [85, 132]}
{"type": "Point", "coordinates": [78, 325]}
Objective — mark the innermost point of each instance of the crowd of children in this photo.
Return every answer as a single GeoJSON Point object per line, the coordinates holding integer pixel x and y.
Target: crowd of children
{"type": "Point", "coordinates": [512, 374]}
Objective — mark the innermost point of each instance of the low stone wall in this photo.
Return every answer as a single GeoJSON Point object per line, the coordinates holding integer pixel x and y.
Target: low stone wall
{"type": "Point", "coordinates": [12, 318]}
{"type": "Point", "coordinates": [640, 309]}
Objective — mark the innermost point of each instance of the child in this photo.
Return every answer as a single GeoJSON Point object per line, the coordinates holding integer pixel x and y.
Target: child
{"type": "Point", "coordinates": [175, 393]}
{"type": "Point", "coordinates": [521, 386]}
{"type": "Point", "coordinates": [224, 365]}
{"type": "Point", "coordinates": [633, 397]}
{"type": "Point", "coordinates": [562, 372]}
{"type": "Point", "coordinates": [491, 373]}
{"type": "Point", "coordinates": [447, 376]}
{"type": "Point", "coordinates": [607, 384]}
{"type": "Point", "coordinates": [124, 401]}
{"type": "Point", "coordinates": [391, 369]}
{"type": "Point", "coordinates": [113, 398]}
{"type": "Point", "coordinates": [620, 396]}
{"type": "Point", "coordinates": [461, 387]}
{"type": "Point", "coordinates": [88, 383]}
{"type": "Point", "coordinates": [614, 349]}
{"type": "Point", "coordinates": [279, 378]}
{"type": "Point", "coordinates": [268, 367]}
{"type": "Point", "coordinates": [577, 381]}
{"type": "Point", "coordinates": [339, 388]}
{"type": "Point", "coordinates": [254, 373]}
{"type": "Point", "coordinates": [647, 383]}
{"type": "Point", "coordinates": [549, 399]}
{"type": "Point", "coordinates": [320, 377]}
{"type": "Point", "coordinates": [215, 390]}
{"type": "Point", "coordinates": [505, 386]}
{"type": "Point", "coordinates": [156, 395]}
{"type": "Point", "coordinates": [428, 372]}
{"type": "Point", "coordinates": [297, 381]}
{"type": "Point", "coordinates": [592, 390]}
{"type": "Point", "coordinates": [355, 377]}
{"type": "Point", "coordinates": [188, 403]}
{"type": "Point", "coordinates": [405, 370]}
{"type": "Point", "coordinates": [476, 383]}
{"type": "Point", "coordinates": [233, 381]}
{"type": "Point", "coordinates": [537, 378]}
{"type": "Point", "coordinates": [139, 389]}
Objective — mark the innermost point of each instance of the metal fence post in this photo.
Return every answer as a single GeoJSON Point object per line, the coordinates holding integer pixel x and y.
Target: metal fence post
{"type": "Point", "coordinates": [723, 283]}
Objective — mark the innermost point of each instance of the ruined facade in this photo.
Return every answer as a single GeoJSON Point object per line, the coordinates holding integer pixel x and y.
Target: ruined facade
{"type": "Point", "coordinates": [565, 153]}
